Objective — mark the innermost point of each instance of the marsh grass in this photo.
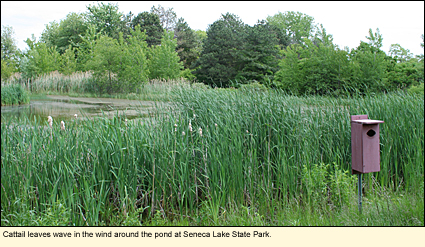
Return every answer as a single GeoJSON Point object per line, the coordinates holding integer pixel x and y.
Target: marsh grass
{"type": "Point", "coordinates": [264, 158]}
{"type": "Point", "coordinates": [81, 84]}
{"type": "Point", "coordinates": [14, 95]}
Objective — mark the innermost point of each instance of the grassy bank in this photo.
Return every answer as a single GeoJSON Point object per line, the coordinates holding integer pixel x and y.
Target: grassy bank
{"type": "Point", "coordinates": [217, 157]}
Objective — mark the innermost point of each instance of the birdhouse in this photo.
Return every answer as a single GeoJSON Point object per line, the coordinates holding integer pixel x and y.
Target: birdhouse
{"type": "Point", "coordinates": [365, 150]}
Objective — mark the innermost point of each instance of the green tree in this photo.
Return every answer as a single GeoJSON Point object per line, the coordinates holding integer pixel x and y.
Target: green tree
{"type": "Point", "coordinates": [259, 56]}
{"type": "Point", "coordinates": [151, 24]}
{"type": "Point", "coordinates": [134, 64]}
{"type": "Point", "coordinates": [404, 70]}
{"type": "Point", "coordinates": [86, 47]}
{"type": "Point", "coordinates": [219, 62]}
{"type": "Point", "coordinates": [39, 59]}
{"type": "Point", "coordinates": [50, 34]}
{"type": "Point", "coordinates": [167, 17]}
{"type": "Point", "coordinates": [370, 63]}
{"type": "Point", "coordinates": [186, 43]}
{"type": "Point", "coordinates": [105, 64]}
{"type": "Point", "coordinates": [68, 62]}
{"type": "Point", "coordinates": [164, 61]}
{"type": "Point", "coordinates": [70, 31]}
{"type": "Point", "coordinates": [399, 53]}
{"type": "Point", "coordinates": [296, 25]}
{"type": "Point", "coordinates": [403, 75]}
{"type": "Point", "coordinates": [106, 18]}
{"type": "Point", "coordinates": [315, 68]}
{"type": "Point", "coordinates": [200, 36]}
{"type": "Point", "coordinates": [9, 52]}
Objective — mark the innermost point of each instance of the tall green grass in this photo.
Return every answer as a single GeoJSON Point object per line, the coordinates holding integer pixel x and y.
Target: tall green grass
{"type": "Point", "coordinates": [14, 95]}
{"type": "Point", "coordinates": [212, 152]}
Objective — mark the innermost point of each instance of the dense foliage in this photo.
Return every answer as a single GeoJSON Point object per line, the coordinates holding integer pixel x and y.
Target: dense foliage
{"type": "Point", "coordinates": [287, 50]}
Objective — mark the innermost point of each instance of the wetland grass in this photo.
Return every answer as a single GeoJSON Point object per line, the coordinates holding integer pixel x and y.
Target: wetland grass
{"type": "Point", "coordinates": [216, 157]}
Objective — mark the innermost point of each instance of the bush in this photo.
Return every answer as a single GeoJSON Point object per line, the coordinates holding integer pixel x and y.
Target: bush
{"type": "Point", "coordinates": [14, 95]}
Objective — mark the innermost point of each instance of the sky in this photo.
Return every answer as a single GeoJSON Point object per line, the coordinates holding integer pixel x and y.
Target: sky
{"type": "Point", "coordinates": [348, 22]}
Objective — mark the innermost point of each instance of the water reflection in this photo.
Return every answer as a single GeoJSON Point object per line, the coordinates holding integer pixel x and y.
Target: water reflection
{"type": "Point", "coordinates": [64, 108]}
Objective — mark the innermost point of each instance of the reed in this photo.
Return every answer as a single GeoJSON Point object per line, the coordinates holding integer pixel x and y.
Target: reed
{"type": "Point", "coordinates": [213, 151]}
{"type": "Point", "coordinates": [14, 95]}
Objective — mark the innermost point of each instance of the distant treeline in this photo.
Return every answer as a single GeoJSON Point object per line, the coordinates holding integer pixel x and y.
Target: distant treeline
{"type": "Point", "coordinates": [287, 51]}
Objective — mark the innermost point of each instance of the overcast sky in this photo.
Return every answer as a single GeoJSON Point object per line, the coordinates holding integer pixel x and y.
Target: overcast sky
{"type": "Point", "coordinates": [349, 22]}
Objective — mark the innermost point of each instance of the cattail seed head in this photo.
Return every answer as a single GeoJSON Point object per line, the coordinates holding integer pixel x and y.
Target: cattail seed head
{"type": "Point", "coordinates": [50, 121]}
{"type": "Point", "coordinates": [190, 127]}
{"type": "Point", "coordinates": [75, 115]}
{"type": "Point", "coordinates": [62, 125]}
{"type": "Point", "coordinates": [200, 131]}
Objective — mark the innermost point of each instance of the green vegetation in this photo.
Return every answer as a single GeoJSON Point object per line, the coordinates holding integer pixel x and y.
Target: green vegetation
{"type": "Point", "coordinates": [217, 157]}
{"type": "Point", "coordinates": [288, 50]}
{"type": "Point", "coordinates": [256, 131]}
{"type": "Point", "coordinates": [14, 95]}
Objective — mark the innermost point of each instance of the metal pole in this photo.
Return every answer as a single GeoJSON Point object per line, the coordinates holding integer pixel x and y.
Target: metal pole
{"type": "Point", "coordinates": [360, 192]}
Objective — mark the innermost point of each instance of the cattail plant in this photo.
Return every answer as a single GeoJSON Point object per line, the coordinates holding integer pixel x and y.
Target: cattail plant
{"type": "Point", "coordinates": [50, 121]}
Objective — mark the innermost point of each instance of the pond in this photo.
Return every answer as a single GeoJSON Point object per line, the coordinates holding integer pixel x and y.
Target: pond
{"type": "Point", "coordinates": [64, 108]}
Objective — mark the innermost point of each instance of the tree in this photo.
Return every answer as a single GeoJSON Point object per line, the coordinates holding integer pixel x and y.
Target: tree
{"type": "Point", "coordinates": [106, 18]}
{"type": "Point", "coordinates": [186, 43]}
{"type": "Point", "coordinates": [200, 36]}
{"type": "Point", "coordinates": [9, 52]}
{"type": "Point", "coordinates": [39, 59]}
{"type": "Point", "coordinates": [164, 61]}
{"type": "Point", "coordinates": [399, 53]}
{"type": "Point", "coordinates": [68, 63]}
{"type": "Point", "coordinates": [151, 24]}
{"type": "Point", "coordinates": [105, 64]}
{"type": "Point", "coordinates": [296, 25]}
{"type": "Point", "coordinates": [219, 62]}
{"type": "Point", "coordinates": [167, 17]}
{"type": "Point", "coordinates": [86, 47]}
{"type": "Point", "coordinates": [50, 34]}
{"type": "Point", "coordinates": [370, 63]}
{"type": "Point", "coordinates": [134, 64]}
{"type": "Point", "coordinates": [70, 31]}
{"type": "Point", "coordinates": [259, 56]}
{"type": "Point", "coordinates": [315, 68]}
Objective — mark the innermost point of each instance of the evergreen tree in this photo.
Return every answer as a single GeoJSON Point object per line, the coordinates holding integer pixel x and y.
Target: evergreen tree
{"type": "Point", "coordinates": [219, 62]}
{"type": "Point", "coordinates": [149, 22]}
{"type": "Point", "coordinates": [260, 53]}
{"type": "Point", "coordinates": [186, 43]}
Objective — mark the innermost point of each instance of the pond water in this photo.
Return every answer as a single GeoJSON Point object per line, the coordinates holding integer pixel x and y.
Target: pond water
{"type": "Point", "coordinates": [64, 108]}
